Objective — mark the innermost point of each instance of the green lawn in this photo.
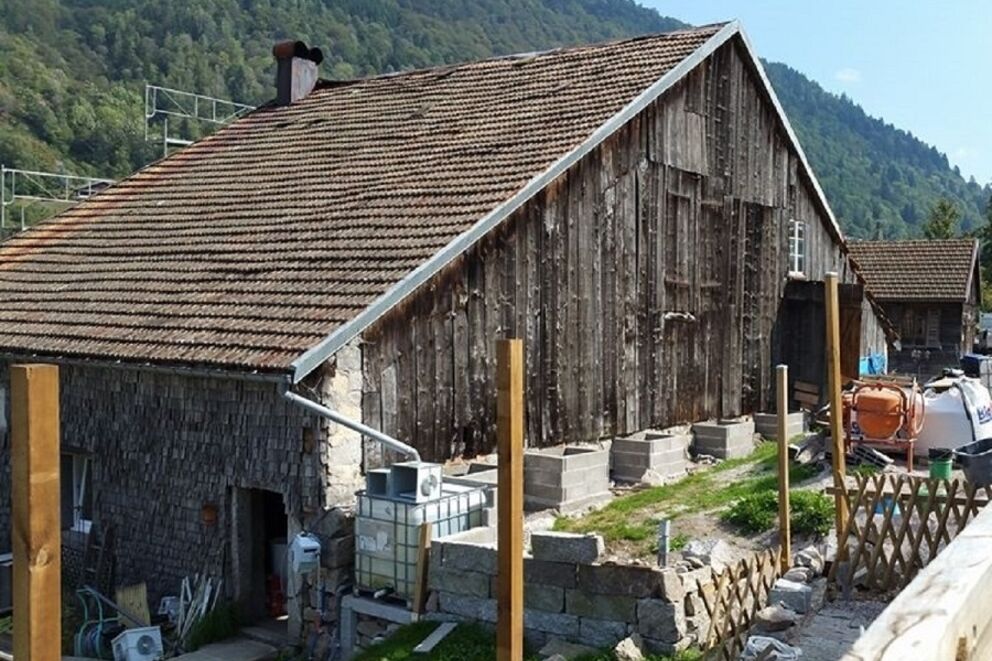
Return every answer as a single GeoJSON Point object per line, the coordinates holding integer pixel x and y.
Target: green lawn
{"type": "Point", "coordinates": [468, 641]}
{"type": "Point", "coordinates": [634, 518]}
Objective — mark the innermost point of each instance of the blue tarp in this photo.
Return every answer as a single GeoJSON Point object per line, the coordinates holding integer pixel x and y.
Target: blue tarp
{"type": "Point", "coordinates": [872, 364]}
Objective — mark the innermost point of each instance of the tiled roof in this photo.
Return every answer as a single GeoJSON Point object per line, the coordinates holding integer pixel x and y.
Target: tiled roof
{"type": "Point", "coordinates": [247, 248]}
{"type": "Point", "coordinates": [917, 270]}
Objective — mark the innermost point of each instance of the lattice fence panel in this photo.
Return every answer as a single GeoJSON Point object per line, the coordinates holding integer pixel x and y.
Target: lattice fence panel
{"type": "Point", "coordinates": [738, 592]}
{"type": "Point", "coordinates": [898, 523]}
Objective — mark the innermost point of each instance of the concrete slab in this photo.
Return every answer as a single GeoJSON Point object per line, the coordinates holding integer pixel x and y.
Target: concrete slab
{"type": "Point", "coordinates": [236, 649]}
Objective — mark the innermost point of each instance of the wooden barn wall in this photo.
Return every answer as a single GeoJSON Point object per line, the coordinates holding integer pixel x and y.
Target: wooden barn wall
{"type": "Point", "coordinates": [645, 283]}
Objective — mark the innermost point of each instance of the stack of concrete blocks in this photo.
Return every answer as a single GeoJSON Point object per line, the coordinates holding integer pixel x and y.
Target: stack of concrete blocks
{"type": "Point", "coordinates": [766, 424]}
{"type": "Point", "coordinates": [724, 439]}
{"type": "Point", "coordinates": [649, 456]}
{"type": "Point", "coordinates": [568, 479]}
{"type": "Point", "coordinates": [568, 593]}
{"type": "Point", "coordinates": [483, 476]}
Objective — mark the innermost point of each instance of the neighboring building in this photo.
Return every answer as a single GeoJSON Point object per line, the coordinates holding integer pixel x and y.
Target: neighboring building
{"type": "Point", "coordinates": [639, 212]}
{"type": "Point", "coordinates": [931, 291]}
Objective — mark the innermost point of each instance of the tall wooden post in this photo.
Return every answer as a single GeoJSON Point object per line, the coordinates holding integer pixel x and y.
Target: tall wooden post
{"type": "Point", "coordinates": [836, 408]}
{"type": "Point", "coordinates": [784, 513]}
{"type": "Point", "coordinates": [36, 515]}
{"type": "Point", "coordinates": [510, 432]}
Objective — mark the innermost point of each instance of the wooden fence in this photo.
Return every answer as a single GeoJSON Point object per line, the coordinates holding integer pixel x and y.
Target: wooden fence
{"type": "Point", "coordinates": [731, 599]}
{"type": "Point", "coordinates": [897, 524]}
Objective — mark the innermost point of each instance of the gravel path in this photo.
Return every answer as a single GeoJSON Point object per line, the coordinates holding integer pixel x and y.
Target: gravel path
{"type": "Point", "coordinates": [832, 631]}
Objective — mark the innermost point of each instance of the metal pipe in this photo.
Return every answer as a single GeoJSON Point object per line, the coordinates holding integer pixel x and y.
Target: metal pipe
{"type": "Point", "coordinates": [325, 412]}
{"type": "Point", "coordinates": [664, 530]}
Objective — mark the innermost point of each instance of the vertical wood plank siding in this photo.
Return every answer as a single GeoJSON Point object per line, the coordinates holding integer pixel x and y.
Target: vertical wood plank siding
{"type": "Point", "coordinates": [645, 282]}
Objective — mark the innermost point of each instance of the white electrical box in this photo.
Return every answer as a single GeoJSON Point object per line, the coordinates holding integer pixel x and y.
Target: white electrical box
{"type": "Point", "coordinates": [304, 554]}
{"type": "Point", "coordinates": [141, 644]}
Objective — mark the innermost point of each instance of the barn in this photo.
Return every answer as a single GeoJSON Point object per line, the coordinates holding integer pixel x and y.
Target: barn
{"type": "Point", "coordinates": [639, 212]}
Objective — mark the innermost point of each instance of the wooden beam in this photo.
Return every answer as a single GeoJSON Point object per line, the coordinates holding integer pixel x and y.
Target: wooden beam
{"type": "Point", "coordinates": [510, 489]}
{"type": "Point", "coordinates": [423, 557]}
{"type": "Point", "coordinates": [36, 516]}
{"type": "Point", "coordinates": [836, 407]}
{"type": "Point", "coordinates": [784, 514]}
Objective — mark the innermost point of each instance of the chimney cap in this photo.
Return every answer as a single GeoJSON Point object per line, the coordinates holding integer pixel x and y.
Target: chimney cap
{"type": "Point", "coordinates": [287, 49]}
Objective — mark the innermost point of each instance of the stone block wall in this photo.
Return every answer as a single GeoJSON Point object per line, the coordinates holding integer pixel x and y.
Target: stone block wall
{"type": "Point", "coordinates": [566, 595]}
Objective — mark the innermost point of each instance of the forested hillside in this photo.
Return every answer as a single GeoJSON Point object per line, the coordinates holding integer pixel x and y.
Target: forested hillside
{"type": "Point", "coordinates": [72, 75]}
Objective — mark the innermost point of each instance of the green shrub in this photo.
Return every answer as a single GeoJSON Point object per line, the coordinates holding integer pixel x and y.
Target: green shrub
{"type": "Point", "coordinates": [810, 512]}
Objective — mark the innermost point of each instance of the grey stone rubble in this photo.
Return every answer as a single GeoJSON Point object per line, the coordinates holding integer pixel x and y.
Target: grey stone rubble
{"type": "Point", "coordinates": [713, 552]}
{"type": "Point", "coordinates": [764, 648]}
{"type": "Point", "coordinates": [796, 596]}
{"type": "Point", "coordinates": [630, 648]}
{"type": "Point", "coordinates": [592, 603]}
{"type": "Point", "coordinates": [724, 439]}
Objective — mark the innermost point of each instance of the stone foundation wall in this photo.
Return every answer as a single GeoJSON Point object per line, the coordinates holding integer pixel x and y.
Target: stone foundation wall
{"type": "Point", "coordinates": [568, 594]}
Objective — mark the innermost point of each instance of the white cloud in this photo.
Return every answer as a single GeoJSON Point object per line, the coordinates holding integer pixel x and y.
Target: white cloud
{"type": "Point", "coordinates": [848, 75]}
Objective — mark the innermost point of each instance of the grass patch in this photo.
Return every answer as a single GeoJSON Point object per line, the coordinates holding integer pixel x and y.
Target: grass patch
{"type": "Point", "coordinates": [634, 518]}
{"type": "Point", "coordinates": [470, 641]}
{"type": "Point", "coordinates": [811, 512]}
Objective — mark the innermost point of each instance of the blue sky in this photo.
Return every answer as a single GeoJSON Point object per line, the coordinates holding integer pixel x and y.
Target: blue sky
{"type": "Point", "coordinates": [922, 65]}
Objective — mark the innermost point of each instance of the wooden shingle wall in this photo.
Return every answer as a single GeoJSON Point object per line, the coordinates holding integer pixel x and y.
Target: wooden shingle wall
{"type": "Point", "coordinates": [645, 283]}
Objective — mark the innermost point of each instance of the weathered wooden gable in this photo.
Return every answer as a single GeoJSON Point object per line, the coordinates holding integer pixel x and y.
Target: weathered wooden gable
{"type": "Point", "coordinates": [645, 282]}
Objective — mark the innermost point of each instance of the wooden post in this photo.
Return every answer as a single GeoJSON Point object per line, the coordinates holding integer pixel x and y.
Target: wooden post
{"type": "Point", "coordinates": [423, 558]}
{"type": "Point", "coordinates": [836, 408]}
{"type": "Point", "coordinates": [36, 526]}
{"type": "Point", "coordinates": [784, 514]}
{"type": "Point", "coordinates": [510, 433]}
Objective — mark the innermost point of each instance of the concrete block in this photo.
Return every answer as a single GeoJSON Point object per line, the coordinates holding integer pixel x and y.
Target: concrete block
{"type": "Point", "coordinates": [797, 596]}
{"type": "Point", "coordinates": [543, 572]}
{"type": "Point", "coordinates": [566, 478]}
{"type": "Point", "coordinates": [600, 606]}
{"type": "Point", "coordinates": [458, 581]}
{"type": "Point", "coordinates": [625, 580]}
{"type": "Point", "coordinates": [661, 620]}
{"type": "Point", "coordinates": [547, 598]}
{"type": "Point", "coordinates": [566, 547]}
{"type": "Point", "coordinates": [471, 550]}
{"type": "Point", "coordinates": [601, 633]}
{"type": "Point", "coordinates": [766, 424]}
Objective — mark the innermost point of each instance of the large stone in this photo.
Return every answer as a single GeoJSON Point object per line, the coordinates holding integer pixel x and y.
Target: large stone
{"type": "Point", "coordinates": [797, 596]}
{"type": "Point", "coordinates": [549, 573]}
{"type": "Point", "coordinates": [811, 558]}
{"type": "Point", "coordinates": [470, 608]}
{"type": "Point", "coordinates": [774, 618]}
{"type": "Point", "coordinates": [468, 551]}
{"type": "Point", "coordinates": [544, 598]}
{"type": "Point", "coordinates": [798, 575]}
{"type": "Point", "coordinates": [472, 583]}
{"type": "Point", "coordinates": [765, 648]}
{"type": "Point", "coordinates": [630, 649]}
{"type": "Point", "coordinates": [601, 606]}
{"type": "Point", "coordinates": [559, 624]}
{"type": "Point", "coordinates": [713, 552]}
{"type": "Point", "coordinates": [601, 633]}
{"type": "Point", "coordinates": [661, 620]}
{"type": "Point", "coordinates": [672, 588]}
{"type": "Point", "coordinates": [566, 547]}
{"type": "Point", "coordinates": [626, 580]}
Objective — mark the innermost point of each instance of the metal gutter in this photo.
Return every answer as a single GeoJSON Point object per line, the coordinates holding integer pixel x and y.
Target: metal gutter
{"type": "Point", "coordinates": [313, 357]}
{"type": "Point", "coordinates": [365, 430]}
{"type": "Point", "coordinates": [198, 372]}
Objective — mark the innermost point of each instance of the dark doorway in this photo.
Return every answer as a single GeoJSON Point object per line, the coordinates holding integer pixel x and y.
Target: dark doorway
{"type": "Point", "coordinates": [259, 553]}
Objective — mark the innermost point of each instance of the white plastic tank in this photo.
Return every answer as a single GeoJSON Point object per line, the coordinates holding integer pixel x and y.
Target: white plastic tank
{"type": "Point", "coordinates": [945, 423]}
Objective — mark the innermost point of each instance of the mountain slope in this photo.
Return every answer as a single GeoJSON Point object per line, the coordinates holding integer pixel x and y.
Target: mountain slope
{"type": "Point", "coordinates": [72, 75]}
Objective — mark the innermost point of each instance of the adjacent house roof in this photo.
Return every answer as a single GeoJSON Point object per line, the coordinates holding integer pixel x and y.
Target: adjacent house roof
{"type": "Point", "coordinates": [268, 245]}
{"type": "Point", "coordinates": [918, 270]}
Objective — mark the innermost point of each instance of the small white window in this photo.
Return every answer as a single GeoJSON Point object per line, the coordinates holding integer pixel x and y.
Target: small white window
{"type": "Point", "coordinates": [77, 493]}
{"type": "Point", "coordinates": [797, 247]}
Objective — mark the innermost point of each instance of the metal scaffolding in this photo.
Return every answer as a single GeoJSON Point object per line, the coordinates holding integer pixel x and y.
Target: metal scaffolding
{"type": "Point", "coordinates": [31, 186]}
{"type": "Point", "coordinates": [161, 103]}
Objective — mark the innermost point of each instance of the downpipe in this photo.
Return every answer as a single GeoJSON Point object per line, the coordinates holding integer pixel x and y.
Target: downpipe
{"type": "Point", "coordinates": [354, 425]}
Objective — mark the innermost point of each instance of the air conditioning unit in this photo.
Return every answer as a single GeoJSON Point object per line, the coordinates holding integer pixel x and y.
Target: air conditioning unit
{"type": "Point", "coordinates": [140, 644]}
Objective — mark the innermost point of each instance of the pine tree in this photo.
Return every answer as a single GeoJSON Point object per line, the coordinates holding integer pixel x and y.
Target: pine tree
{"type": "Point", "coordinates": [942, 221]}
